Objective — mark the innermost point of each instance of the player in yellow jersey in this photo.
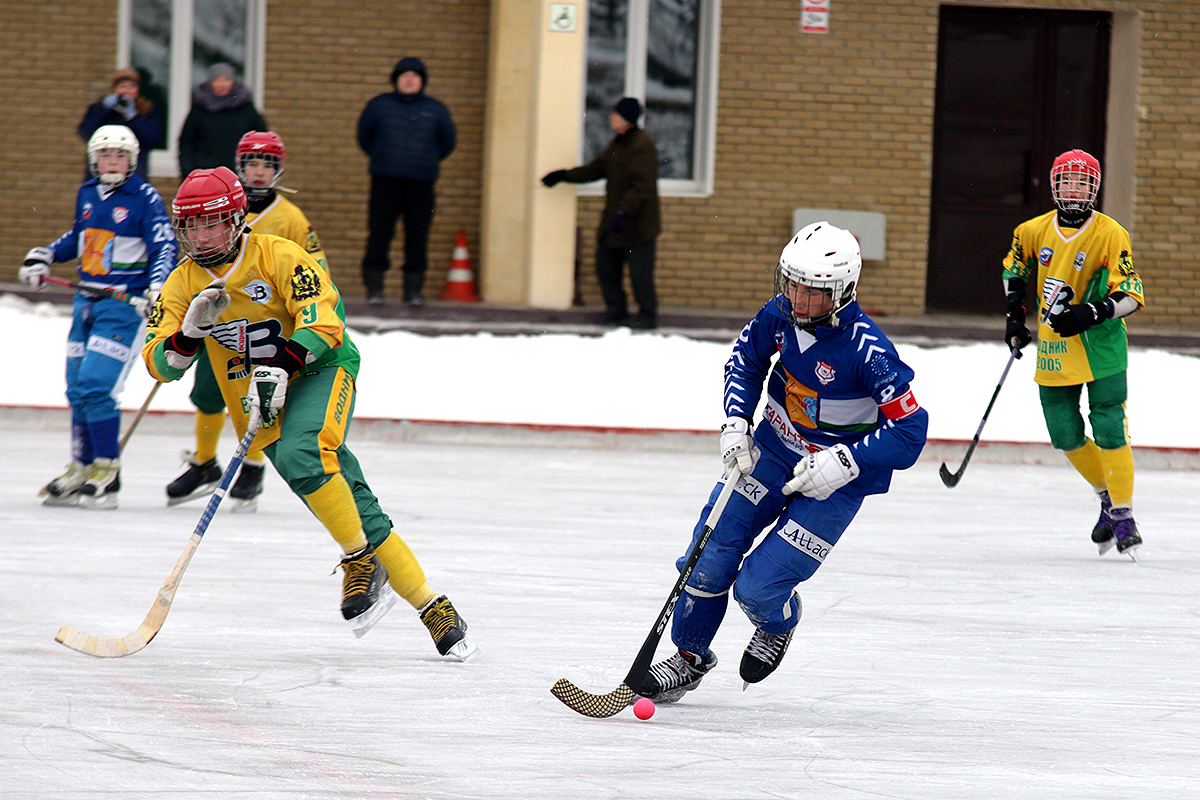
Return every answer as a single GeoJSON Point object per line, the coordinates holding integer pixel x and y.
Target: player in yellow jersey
{"type": "Point", "coordinates": [260, 163]}
{"type": "Point", "coordinates": [1086, 285]}
{"type": "Point", "coordinates": [273, 326]}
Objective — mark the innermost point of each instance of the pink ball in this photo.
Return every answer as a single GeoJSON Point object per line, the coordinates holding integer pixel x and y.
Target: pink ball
{"type": "Point", "coordinates": [643, 708]}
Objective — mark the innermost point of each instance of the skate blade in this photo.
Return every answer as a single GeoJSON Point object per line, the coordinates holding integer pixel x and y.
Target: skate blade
{"type": "Point", "coordinates": [369, 618]}
{"type": "Point", "coordinates": [64, 500]}
{"type": "Point", "coordinates": [1106, 545]}
{"type": "Point", "coordinates": [201, 491]}
{"type": "Point", "coordinates": [247, 506]}
{"type": "Point", "coordinates": [105, 502]}
{"type": "Point", "coordinates": [463, 650]}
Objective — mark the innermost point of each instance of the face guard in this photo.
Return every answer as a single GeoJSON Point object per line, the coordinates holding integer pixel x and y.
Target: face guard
{"type": "Point", "coordinates": [817, 275]}
{"type": "Point", "coordinates": [1075, 182]}
{"type": "Point", "coordinates": [209, 216]}
{"type": "Point", "coordinates": [267, 148]}
{"type": "Point", "coordinates": [112, 138]}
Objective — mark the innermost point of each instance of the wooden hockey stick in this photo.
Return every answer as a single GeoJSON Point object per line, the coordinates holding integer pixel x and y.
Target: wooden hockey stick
{"type": "Point", "coordinates": [141, 413]}
{"type": "Point", "coordinates": [124, 297]}
{"type": "Point", "coordinates": [606, 705]}
{"type": "Point", "coordinates": [951, 479]}
{"type": "Point", "coordinates": [141, 636]}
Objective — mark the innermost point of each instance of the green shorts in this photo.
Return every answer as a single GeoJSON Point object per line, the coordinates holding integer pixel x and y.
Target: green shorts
{"type": "Point", "coordinates": [1106, 413]}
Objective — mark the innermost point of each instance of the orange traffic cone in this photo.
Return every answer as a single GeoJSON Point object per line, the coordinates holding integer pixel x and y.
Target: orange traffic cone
{"type": "Point", "coordinates": [460, 283]}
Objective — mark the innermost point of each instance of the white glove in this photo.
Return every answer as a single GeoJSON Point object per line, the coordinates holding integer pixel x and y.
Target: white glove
{"type": "Point", "coordinates": [267, 392]}
{"type": "Point", "coordinates": [205, 309]}
{"type": "Point", "coordinates": [37, 267]}
{"type": "Point", "coordinates": [737, 446]}
{"type": "Point", "coordinates": [142, 305]}
{"type": "Point", "coordinates": [822, 473]}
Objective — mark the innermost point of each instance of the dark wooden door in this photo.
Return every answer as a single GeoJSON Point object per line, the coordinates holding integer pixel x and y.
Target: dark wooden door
{"type": "Point", "coordinates": [1015, 87]}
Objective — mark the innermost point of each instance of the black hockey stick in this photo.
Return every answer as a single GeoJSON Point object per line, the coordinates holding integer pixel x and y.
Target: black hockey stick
{"type": "Point", "coordinates": [606, 705]}
{"type": "Point", "coordinates": [951, 479]}
{"type": "Point", "coordinates": [140, 637]}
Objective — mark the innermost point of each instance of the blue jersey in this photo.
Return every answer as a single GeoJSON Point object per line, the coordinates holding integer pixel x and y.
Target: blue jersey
{"type": "Point", "coordinates": [843, 384]}
{"type": "Point", "coordinates": [122, 238]}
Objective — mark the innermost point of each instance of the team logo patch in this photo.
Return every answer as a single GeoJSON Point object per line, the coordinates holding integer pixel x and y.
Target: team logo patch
{"type": "Point", "coordinates": [1080, 257]}
{"type": "Point", "coordinates": [805, 541]}
{"type": "Point", "coordinates": [258, 291]}
{"type": "Point", "coordinates": [825, 373]}
{"type": "Point", "coordinates": [87, 211]}
{"type": "Point", "coordinates": [801, 403]}
{"type": "Point", "coordinates": [306, 284]}
{"type": "Point", "coordinates": [312, 243]}
{"type": "Point", "coordinates": [120, 214]}
{"type": "Point", "coordinates": [1045, 256]}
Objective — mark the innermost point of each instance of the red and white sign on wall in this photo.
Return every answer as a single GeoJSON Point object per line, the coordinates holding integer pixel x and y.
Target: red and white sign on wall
{"type": "Point", "coordinates": [814, 16]}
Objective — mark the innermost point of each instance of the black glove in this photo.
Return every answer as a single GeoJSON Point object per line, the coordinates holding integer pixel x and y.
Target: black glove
{"type": "Point", "coordinates": [619, 222]}
{"type": "Point", "coordinates": [554, 178]}
{"type": "Point", "coordinates": [1074, 320]}
{"type": "Point", "coordinates": [126, 106]}
{"type": "Point", "coordinates": [1016, 335]}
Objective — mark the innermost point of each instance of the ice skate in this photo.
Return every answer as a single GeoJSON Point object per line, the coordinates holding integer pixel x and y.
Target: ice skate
{"type": "Point", "coordinates": [763, 655]}
{"type": "Point", "coordinates": [366, 595]}
{"type": "Point", "coordinates": [676, 676]}
{"type": "Point", "coordinates": [1128, 539]}
{"type": "Point", "coordinates": [102, 484]}
{"type": "Point", "coordinates": [198, 480]}
{"type": "Point", "coordinates": [1102, 532]}
{"type": "Point", "coordinates": [63, 490]}
{"type": "Point", "coordinates": [247, 487]}
{"type": "Point", "coordinates": [448, 629]}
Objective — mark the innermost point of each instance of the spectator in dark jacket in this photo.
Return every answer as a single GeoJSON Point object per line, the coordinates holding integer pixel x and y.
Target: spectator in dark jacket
{"type": "Point", "coordinates": [124, 105]}
{"type": "Point", "coordinates": [406, 134]}
{"type": "Point", "coordinates": [631, 221]}
{"type": "Point", "coordinates": [222, 113]}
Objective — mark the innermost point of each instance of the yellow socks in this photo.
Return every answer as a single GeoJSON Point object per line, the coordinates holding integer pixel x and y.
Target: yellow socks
{"type": "Point", "coordinates": [208, 434]}
{"type": "Point", "coordinates": [404, 572]}
{"type": "Point", "coordinates": [333, 504]}
{"type": "Point", "coordinates": [1086, 461]}
{"type": "Point", "coordinates": [1118, 475]}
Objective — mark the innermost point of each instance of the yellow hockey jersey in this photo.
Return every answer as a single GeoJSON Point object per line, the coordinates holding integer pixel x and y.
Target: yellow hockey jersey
{"type": "Point", "coordinates": [278, 292]}
{"type": "Point", "coordinates": [1070, 267]}
{"type": "Point", "coordinates": [284, 218]}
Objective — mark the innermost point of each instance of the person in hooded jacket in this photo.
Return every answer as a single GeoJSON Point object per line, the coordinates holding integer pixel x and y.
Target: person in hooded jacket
{"type": "Point", "coordinates": [406, 134]}
{"type": "Point", "coordinates": [125, 105]}
{"type": "Point", "coordinates": [222, 113]}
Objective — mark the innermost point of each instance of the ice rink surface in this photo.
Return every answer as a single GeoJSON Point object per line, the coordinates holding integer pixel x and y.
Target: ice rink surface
{"type": "Point", "coordinates": [958, 643]}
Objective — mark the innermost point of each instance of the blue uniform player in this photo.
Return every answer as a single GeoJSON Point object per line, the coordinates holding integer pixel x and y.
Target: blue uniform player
{"type": "Point", "coordinates": [123, 240]}
{"type": "Point", "coordinates": [839, 417]}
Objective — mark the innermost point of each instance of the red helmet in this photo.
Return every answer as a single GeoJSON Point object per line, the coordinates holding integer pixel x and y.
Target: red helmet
{"type": "Point", "coordinates": [263, 146]}
{"type": "Point", "coordinates": [209, 216]}
{"type": "Point", "coordinates": [1075, 181]}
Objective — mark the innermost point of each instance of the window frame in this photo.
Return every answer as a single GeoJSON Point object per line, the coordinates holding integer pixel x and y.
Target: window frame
{"type": "Point", "coordinates": [164, 163]}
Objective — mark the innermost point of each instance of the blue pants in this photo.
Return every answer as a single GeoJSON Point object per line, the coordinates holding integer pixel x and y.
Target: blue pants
{"type": "Point", "coordinates": [801, 533]}
{"type": "Point", "coordinates": [101, 348]}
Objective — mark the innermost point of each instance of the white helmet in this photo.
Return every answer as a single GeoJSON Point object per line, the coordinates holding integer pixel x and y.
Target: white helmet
{"type": "Point", "coordinates": [823, 257]}
{"type": "Point", "coordinates": [115, 137]}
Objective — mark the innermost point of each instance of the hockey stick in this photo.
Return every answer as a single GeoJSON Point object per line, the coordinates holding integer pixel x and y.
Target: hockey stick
{"type": "Point", "coordinates": [141, 413]}
{"type": "Point", "coordinates": [951, 479]}
{"type": "Point", "coordinates": [114, 294]}
{"type": "Point", "coordinates": [606, 705]}
{"type": "Point", "coordinates": [141, 636]}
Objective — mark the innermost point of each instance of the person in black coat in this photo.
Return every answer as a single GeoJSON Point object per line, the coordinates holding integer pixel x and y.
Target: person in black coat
{"type": "Point", "coordinates": [222, 113]}
{"type": "Point", "coordinates": [406, 134]}
{"type": "Point", "coordinates": [125, 105]}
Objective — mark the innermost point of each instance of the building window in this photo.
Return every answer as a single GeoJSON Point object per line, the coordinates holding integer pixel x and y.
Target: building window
{"type": "Point", "coordinates": [172, 43]}
{"type": "Point", "coordinates": [665, 53]}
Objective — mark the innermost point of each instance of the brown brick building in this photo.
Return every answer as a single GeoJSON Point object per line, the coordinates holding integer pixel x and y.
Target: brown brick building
{"type": "Point", "coordinates": [846, 119]}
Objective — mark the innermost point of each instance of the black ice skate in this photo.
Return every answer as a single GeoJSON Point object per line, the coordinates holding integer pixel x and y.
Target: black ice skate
{"type": "Point", "coordinates": [247, 487]}
{"type": "Point", "coordinates": [448, 629]}
{"type": "Point", "coordinates": [1128, 539]}
{"type": "Point", "coordinates": [198, 480]}
{"type": "Point", "coordinates": [102, 484]}
{"type": "Point", "coordinates": [366, 595]}
{"type": "Point", "coordinates": [64, 490]}
{"type": "Point", "coordinates": [1102, 532]}
{"type": "Point", "coordinates": [676, 676]}
{"type": "Point", "coordinates": [763, 655]}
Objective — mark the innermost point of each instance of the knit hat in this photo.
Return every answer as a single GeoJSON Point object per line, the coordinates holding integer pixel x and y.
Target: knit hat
{"type": "Point", "coordinates": [126, 74]}
{"type": "Point", "coordinates": [220, 70]}
{"type": "Point", "coordinates": [630, 109]}
{"type": "Point", "coordinates": [410, 64]}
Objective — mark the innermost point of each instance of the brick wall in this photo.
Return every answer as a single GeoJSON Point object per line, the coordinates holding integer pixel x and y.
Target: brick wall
{"type": "Point", "coordinates": [842, 120]}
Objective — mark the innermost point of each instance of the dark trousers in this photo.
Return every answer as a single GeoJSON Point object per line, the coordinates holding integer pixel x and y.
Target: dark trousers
{"type": "Point", "coordinates": [391, 198]}
{"type": "Point", "coordinates": [609, 264]}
